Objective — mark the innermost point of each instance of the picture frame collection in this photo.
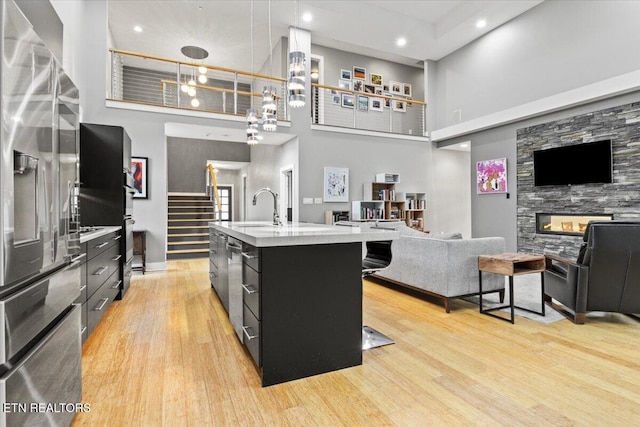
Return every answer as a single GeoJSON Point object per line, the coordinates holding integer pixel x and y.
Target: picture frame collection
{"type": "Point", "coordinates": [356, 80]}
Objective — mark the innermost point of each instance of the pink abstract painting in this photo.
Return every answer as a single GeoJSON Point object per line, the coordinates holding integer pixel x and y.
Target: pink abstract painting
{"type": "Point", "coordinates": [491, 176]}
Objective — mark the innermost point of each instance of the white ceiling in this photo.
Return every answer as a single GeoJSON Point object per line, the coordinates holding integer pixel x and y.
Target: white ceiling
{"type": "Point", "coordinates": [433, 29]}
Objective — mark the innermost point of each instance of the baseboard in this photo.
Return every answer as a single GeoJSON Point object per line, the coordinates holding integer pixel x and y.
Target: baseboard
{"type": "Point", "coordinates": [156, 266]}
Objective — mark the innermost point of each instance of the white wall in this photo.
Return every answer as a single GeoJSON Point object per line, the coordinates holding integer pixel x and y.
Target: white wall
{"type": "Point", "coordinates": [554, 47]}
{"type": "Point", "coordinates": [451, 211]}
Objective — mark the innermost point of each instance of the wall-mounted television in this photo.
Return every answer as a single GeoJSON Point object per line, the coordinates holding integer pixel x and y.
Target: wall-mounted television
{"type": "Point", "coordinates": [574, 164]}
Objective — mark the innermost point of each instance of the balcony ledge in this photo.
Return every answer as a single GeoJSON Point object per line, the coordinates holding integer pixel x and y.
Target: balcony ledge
{"type": "Point", "coordinates": [124, 105]}
{"type": "Point", "coordinates": [352, 131]}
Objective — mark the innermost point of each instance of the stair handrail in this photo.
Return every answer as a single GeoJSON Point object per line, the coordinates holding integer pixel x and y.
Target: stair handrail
{"type": "Point", "coordinates": [214, 190]}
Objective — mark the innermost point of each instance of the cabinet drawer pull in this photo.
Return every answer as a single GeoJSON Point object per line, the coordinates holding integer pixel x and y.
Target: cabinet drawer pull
{"type": "Point", "coordinates": [213, 274]}
{"type": "Point", "coordinates": [249, 289]}
{"type": "Point", "coordinates": [83, 287]}
{"type": "Point", "coordinates": [116, 258]}
{"type": "Point", "coordinates": [117, 237]}
{"type": "Point", "coordinates": [101, 245]}
{"type": "Point", "coordinates": [82, 330]}
{"type": "Point", "coordinates": [249, 256]}
{"type": "Point", "coordinates": [233, 247]}
{"type": "Point", "coordinates": [246, 333]}
{"type": "Point", "coordinates": [213, 251]}
{"type": "Point", "coordinates": [101, 306]}
{"type": "Point", "coordinates": [117, 285]}
{"type": "Point", "coordinates": [100, 271]}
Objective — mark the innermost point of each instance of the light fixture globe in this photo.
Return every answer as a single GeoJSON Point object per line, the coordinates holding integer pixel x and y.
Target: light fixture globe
{"type": "Point", "coordinates": [297, 78]}
{"type": "Point", "coordinates": [202, 69]}
{"type": "Point", "coordinates": [296, 98]}
{"type": "Point", "coordinates": [191, 91]}
{"type": "Point", "coordinates": [202, 78]}
{"type": "Point", "coordinates": [195, 103]}
{"type": "Point", "coordinates": [184, 87]}
{"type": "Point", "coordinates": [269, 122]}
{"type": "Point", "coordinates": [269, 100]}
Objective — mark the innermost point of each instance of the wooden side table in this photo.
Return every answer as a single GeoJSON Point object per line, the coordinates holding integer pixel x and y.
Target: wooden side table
{"type": "Point", "coordinates": [140, 248]}
{"type": "Point", "coordinates": [510, 264]}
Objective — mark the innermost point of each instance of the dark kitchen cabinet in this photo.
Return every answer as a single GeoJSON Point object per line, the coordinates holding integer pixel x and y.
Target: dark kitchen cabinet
{"type": "Point", "coordinates": [106, 187]}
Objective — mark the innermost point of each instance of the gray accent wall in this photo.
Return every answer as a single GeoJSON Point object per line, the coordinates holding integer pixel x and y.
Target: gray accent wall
{"type": "Point", "coordinates": [620, 124]}
{"type": "Point", "coordinates": [187, 160]}
{"type": "Point", "coordinates": [496, 214]}
{"type": "Point", "coordinates": [554, 47]}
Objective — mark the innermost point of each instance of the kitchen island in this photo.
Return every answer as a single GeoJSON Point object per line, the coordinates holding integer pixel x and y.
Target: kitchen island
{"type": "Point", "coordinates": [293, 293]}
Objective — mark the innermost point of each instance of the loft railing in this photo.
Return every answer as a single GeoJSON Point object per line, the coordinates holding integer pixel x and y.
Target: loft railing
{"type": "Point", "coordinates": [334, 106]}
{"type": "Point", "coordinates": [152, 80]}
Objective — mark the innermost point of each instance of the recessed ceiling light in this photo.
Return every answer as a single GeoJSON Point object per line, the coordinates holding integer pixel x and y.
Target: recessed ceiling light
{"type": "Point", "coordinates": [137, 29]}
{"type": "Point", "coordinates": [463, 145]}
{"type": "Point", "coordinates": [307, 17]}
{"type": "Point", "coordinates": [481, 23]}
{"type": "Point", "coordinates": [401, 41]}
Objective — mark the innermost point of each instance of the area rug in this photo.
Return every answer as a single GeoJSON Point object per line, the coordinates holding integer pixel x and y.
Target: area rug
{"type": "Point", "coordinates": [527, 294]}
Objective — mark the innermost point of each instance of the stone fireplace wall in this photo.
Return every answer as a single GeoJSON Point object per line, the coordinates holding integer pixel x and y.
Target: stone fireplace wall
{"type": "Point", "coordinates": [621, 198]}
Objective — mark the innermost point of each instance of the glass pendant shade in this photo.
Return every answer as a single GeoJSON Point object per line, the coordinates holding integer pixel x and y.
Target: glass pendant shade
{"type": "Point", "coordinates": [269, 109]}
{"type": "Point", "coordinates": [296, 81]}
{"type": "Point", "coordinates": [252, 126]}
{"type": "Point", "coordinates": [296, 98]}
{"type": "Point", "coordinates": [191, 91]}
{"type": "Point", "coordinates": [195, 103]}
{"type": "Point", "coordinates": [191, 82]}
{"type": "Point", "coordinates": [269, 100]}
{"type": "Point", "coordinates": [184, 87]}
{"type": "Point", "coordinates": [202, 78]}
{"type": "Point", "coordinates": [202, 70]}
{"type": "Point", "coordinates": [269, 122]}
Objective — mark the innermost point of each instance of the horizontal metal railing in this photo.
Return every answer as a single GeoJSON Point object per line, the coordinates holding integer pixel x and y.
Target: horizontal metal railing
{"type": "Point", "coordinates": [334, 106]}
{"type": "Point", "coordinates": [152, 80]}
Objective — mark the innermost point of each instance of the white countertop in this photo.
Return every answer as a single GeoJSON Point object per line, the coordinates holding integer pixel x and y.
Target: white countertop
{"type": "Point", "coordinates": [265, 234]}
{"type": "Point", "coordinates": [99, 231]}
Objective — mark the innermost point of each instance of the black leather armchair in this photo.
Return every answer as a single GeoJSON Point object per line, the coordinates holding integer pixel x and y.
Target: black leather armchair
{"type": "Point", "coordinates": [606, 275]}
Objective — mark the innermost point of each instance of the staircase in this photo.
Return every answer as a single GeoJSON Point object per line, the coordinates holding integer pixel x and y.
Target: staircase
{"type": "Point", "coordinates": [188, 228]}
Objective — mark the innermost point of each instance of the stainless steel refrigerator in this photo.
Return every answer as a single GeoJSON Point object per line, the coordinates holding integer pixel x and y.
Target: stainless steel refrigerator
{"type": "Point", "coordinates": [40, 348]}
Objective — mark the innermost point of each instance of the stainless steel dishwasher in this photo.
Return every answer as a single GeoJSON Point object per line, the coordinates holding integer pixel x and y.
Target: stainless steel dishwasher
{"type": "Point", "coordinates": [234, 255]}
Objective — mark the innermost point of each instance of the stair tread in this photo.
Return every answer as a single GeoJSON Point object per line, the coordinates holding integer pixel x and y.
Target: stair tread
{"type": "Point", "coordinates": [182, 227]}
{"type": "Point", "coordinates": [192, 242]}
{"type": "Point", "coordinates": [191, 220]}
{"type": "Point", "coordinates": [191, 207]}
{"type": "Point", "coordinates": [190, 213]}
{"type": "Point", "coordinates": [187, 251]}
{"type": "Point", "coordinates": [188, 234]}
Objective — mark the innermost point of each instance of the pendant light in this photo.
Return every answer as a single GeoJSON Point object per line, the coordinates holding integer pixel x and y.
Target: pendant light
{"type": "Point", "coordinates": [296, 81]}
{"type": "Point", "coordinates": [269, 94]}
{"type": "Point", "coordinates": [252, 115]}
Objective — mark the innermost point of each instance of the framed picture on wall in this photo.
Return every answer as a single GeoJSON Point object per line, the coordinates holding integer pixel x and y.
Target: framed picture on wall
{"type": "Point", "coordinates": [347, 100]}
{"type": "Point", "coordinates": [376, 104]}
{"type": "Point", "coordinates": [376, 79]}
{"type": "Point", "coordinates": [359, 73]}
{"type": "Point", "coordinates": [491, 176]}
{"type": "Point", "coordinates": [336, 184]}
{"type": "Point", "coordinates": [396, 87]}
{"type": "Point", "coordinates": [139, 171]}
{"type": "Point", "coordinates": [345, 74]}
{"type": "Point", "coordinates": [406, 89]}
{"type": "Point", "coordinates": [363, 103]}
{"type": "Point", "coordinates": [345, 84]}
{"type": "Point", "coordinates": [400, 106]}
{"type": "Point", "coordinates": [358, 85]}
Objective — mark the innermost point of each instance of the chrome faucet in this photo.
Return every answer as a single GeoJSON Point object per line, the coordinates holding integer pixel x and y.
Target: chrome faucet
{"type": "Point", "coordinates": [276, 216]}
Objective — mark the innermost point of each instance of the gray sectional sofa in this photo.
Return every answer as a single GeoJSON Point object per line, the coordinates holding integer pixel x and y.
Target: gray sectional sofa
{"type": "Point", "coordinates": [445, 266]}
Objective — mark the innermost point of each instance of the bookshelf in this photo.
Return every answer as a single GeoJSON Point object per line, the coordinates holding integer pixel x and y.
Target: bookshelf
{"type": "Point", "coordinates": [416, 205]}
{"type": "Point", "coordinates": [392, 202]}
{"type": "Point", "coordinates": [331, 217]}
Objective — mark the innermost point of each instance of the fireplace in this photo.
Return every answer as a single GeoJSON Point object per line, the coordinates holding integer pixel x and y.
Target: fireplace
{"type": "Point", "coordinates": [567, 223]}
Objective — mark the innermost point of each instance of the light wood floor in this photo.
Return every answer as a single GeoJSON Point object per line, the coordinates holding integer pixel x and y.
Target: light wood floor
{"type": "Point", "coordinates": [167, 355]}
